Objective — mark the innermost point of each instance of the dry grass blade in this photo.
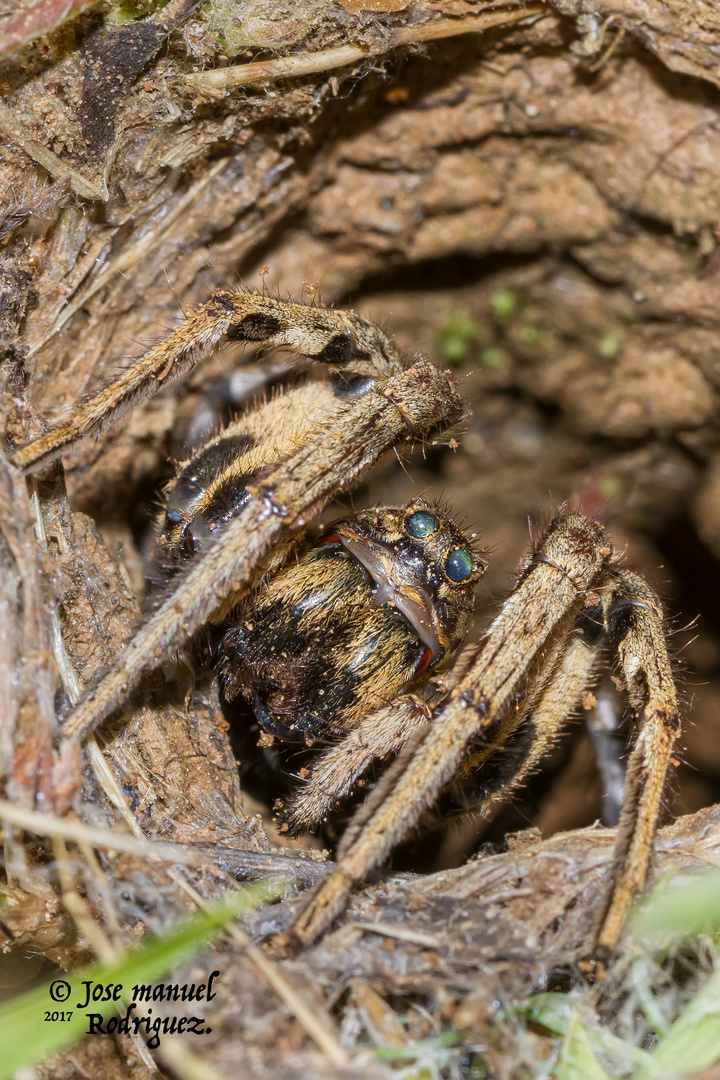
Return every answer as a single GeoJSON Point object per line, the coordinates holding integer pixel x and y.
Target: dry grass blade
{"type": "Point", "coordinates": [217, 82]}
{"type": "Point", "coordinates": [70, 830]}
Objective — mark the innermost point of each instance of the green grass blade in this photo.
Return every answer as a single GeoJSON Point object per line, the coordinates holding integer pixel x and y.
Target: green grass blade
{"type": "Point", "coordinates": [577, 1060]}
{"type": "Point", "coordinates": [693, 1042]}
{"type": "Point", "coordinates": [679, 907]}
{"type": "Point", "coordinates": [563, 1015]}
{"type": "Point", "coordinates": [25, 1037]}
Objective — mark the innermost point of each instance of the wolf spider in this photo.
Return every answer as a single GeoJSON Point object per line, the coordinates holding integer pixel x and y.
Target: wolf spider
{"type": "Point", "coordinates": [279, 468]}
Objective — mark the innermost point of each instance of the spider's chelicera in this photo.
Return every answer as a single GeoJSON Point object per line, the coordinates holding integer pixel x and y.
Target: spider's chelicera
{"type": "Point", "coordinates": [394, 586]}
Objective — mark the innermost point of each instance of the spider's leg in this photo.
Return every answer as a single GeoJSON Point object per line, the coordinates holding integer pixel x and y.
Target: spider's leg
{"type": "Point", "coordinates": [341, 339]}
{"type": "Point", "coordinates": [214, 483]}
{"type": "Point", "coordinates": [552, 591]}
{"type": "Point", "coordinates": [546, 714]}
{"type": "Point", "coordinates": [636, 628]}
{"type": "Point", "coordinates": [285, 496]}
{"type": "Point", "coordinates": [336, 772]}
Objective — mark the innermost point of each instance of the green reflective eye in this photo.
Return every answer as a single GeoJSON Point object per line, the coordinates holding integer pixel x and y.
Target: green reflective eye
{"type": "Point", "coordinates": [459, 564]}
{"type": "Point", "coordinates": [421, 524]}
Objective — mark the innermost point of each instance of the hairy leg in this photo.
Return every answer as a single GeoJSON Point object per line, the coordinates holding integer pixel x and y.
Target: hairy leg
{"type": "Point", "coordinates": [337, 771]}
{"type": "Point", "coordinates": [339, 338]}
{"type": "Point", "coordinates": [512, 763]}
{"type": "Point", "coordinates": [636, 628]}
{"type": "Point", "coordinates": [538, 616]}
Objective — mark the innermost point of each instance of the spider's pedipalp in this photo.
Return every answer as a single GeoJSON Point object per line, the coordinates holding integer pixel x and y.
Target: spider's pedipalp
{"type": "Point", "coordinates": [636, 629]}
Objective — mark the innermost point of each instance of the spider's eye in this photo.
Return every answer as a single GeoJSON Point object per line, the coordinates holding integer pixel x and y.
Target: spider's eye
{"type": "Point", "coordinates": [421, 524]}
{"type": "Point", "coordinates": [459, 564]}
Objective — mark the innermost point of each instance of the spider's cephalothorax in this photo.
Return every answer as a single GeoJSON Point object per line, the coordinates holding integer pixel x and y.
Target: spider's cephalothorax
{"type": "Point", "coordinates": [238, 514]}
{"type": "Point", "coordinates": [371, 609]}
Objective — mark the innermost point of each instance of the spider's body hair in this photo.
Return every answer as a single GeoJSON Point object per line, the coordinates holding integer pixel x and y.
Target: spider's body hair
{"type": "Point", "coordinates": [213, 484]}
{"type": "Point", "coordinates": [314, 652]}
{"type": "Point", "coordinates": [350, 623]}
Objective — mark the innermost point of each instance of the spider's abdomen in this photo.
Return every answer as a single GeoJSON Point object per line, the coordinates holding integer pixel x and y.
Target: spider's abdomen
{"type": "Point", "coordinates": [315, 653]}
{"type": "Point", "coordinates": [353, 622]}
